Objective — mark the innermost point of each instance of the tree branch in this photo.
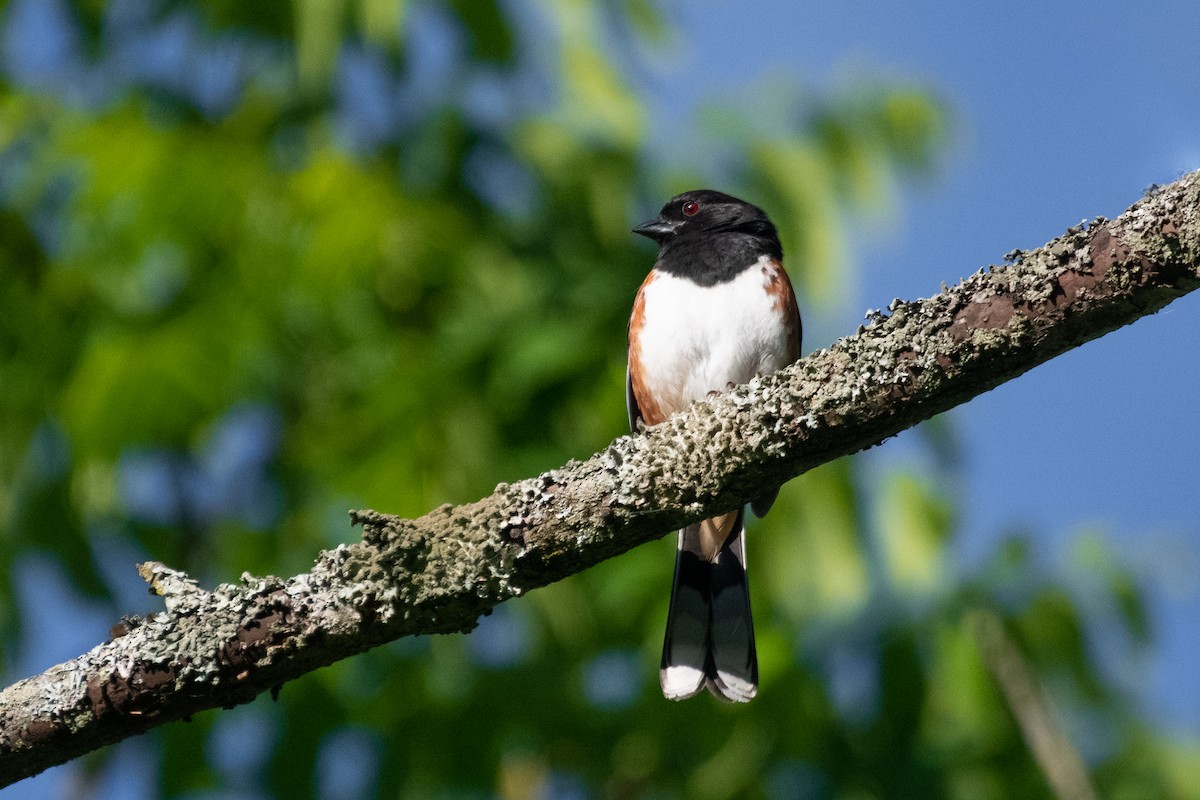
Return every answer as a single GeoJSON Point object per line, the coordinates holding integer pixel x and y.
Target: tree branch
{"type": "Point", "coordinates": [441, 572]}
{"type": "Point", "coordinates": [1040, 726]}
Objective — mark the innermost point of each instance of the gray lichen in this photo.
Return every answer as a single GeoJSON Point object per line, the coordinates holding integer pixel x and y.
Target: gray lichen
{"type": "Point", "coordinates": [443, 571]}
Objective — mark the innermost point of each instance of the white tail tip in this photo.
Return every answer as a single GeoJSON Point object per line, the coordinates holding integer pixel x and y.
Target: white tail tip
{"type": "Point", "coordinates": [680, 682]}
{"type": "Point", "coordinates": [732, 688]}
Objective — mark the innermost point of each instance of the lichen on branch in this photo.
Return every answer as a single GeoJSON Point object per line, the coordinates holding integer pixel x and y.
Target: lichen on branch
{"type": "Point", "coordinates": [441, 572]}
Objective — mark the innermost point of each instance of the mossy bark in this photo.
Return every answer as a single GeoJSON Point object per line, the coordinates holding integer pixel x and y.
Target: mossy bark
{"type": "Point", "coordinates": [441, 572]}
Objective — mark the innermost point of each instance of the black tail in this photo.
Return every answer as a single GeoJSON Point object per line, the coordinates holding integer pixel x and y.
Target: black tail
{"type": "Point", "coordinates": [710, 635]}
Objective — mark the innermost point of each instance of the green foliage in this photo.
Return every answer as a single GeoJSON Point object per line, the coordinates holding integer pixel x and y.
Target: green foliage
{"type": "Point", "coordinates": [412, 339]}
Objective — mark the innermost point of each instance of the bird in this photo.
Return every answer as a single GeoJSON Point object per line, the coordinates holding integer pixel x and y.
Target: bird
{"type": "Point", "coordinates": [716, 310]}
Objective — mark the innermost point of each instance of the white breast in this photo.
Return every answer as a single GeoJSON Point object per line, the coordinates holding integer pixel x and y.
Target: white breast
{"type": "Point", "coordinates": [700, 339]}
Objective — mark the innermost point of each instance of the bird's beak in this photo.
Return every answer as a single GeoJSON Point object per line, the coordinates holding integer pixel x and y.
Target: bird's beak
{"type": "Point", "coordinates": [658, 229]}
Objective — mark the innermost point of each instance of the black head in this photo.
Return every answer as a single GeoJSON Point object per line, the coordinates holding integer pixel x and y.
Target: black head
{"type": "Point", "coordinates": [710, 236]}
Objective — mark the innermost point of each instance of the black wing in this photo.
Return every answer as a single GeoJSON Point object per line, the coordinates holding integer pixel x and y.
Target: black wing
{"type": "Point", "coordinates": [635, 413]}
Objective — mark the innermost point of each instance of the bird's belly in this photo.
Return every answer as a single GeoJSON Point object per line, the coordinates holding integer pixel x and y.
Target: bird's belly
{"type": "Point", "coordinates": [701, 339]}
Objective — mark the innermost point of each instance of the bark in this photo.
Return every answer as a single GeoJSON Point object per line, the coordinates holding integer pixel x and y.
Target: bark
{"type": "Point", "coordinates": [441, 572]}
{"type": "Point", "coordinates": [1043, 731]}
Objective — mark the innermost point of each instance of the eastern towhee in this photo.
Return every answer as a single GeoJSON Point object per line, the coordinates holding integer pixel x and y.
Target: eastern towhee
{"type": "Point", "coordinates": [716, 310]}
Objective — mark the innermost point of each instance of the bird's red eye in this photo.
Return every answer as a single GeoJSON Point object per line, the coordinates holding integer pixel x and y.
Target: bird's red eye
{"type": "Point", "coordinates": [690, 208]}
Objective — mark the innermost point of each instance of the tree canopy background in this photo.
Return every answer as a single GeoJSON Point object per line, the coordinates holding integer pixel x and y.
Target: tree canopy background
{"type": "Point", "coordinates": [262, 263]}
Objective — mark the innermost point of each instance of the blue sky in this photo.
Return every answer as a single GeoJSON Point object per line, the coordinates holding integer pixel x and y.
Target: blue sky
{"type": "Point", "coordinates": [1061, 112]}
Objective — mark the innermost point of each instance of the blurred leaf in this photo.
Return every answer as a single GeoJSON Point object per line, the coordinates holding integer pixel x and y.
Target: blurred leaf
{"type": "Point", "coordinates": [648, 20]}
{"type": "Point", "coordinates": [183, 768]}
{"type": "Point", "coordinates": [271, 17]}
{"type": "Point", "coordinates": [800, 183]}
{"type": "Point", "coordinates": [913, 525]}
{"type": "Point", "coordinates": [965, 715]}
{"type": "Point", "coordinates": [820, 569]}
{"type": "Point", "coordinates": [1096, 560]}
{"type": "Point", "coordinates": [489, 34]}
{"type": "Point", "coordinates": [1052, 636]}
{"type": "Point", "coordinates": [381, 21]}
{"type": "Point", "coordinates": [914, 125]}
{"type": "Point", "coordinates": [319, 30]}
